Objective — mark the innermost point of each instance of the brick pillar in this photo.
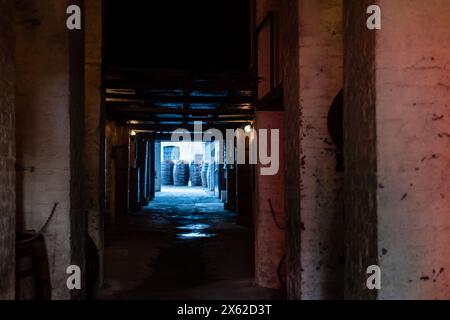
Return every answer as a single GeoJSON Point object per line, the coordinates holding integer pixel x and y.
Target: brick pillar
{"type": "Point", "coordinates": [231, 188]}
{"type": "Point", "coordinates": [94, 151]}
{"type": "Point", "coordinates": [321, 63]}
{"type": "Point", "coordinates": [142, 162]}
{"type": "Point", "coordinates": [289, 61]}
{"type": "Point", "coordinates": [244, 193]}
{"type": "Point", "coordinates": [134, 199]}
{"type": "Point", "coordinates": [269, 213]}
{"type": "Point", "coordinates": [397, 153]}
{"type": "Point", "coordinates": [121, 157]}
{"type": "Point", "coordinates": [308, 65]}
{"type": "Point", "coordinates": [7, 152]}
{"type": "Point", "coordinates": [111, 136]}
{"type": "Point", "coordinates": [157, 171]}
{"type": "Point", "coordinates": [360, 181]}
{"type": "Point", "coordinates": [50, 125]}
{"type": "Point", "coordinates": [153, 159]}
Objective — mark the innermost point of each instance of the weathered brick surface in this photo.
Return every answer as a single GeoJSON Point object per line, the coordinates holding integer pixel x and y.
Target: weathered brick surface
{"type": "Point", "coordinates": [321, 64]}
{"type": "Point", "coordinates": [50, 114]}
{"type": "Point", "coordinates": [270, 248]}
{"type": "Point", "coordinates": [287, 71]}
{"type": "Point", "coordinates": [359, 150]}
{"type": "Point", "coordinates": [396, 149]}
{"type": "Point", "coordinates": [413, 148]}
{"type": "Point", "coordinates": [289, 56]}
{"type": "Point", "coordinates": [7, 152]}
{"type": "Point", "coordinates": [111, 137]}
{"type": "Point", "coordinates": [309, 64]}
{"type": "Point", "coordinates": [94, 182]}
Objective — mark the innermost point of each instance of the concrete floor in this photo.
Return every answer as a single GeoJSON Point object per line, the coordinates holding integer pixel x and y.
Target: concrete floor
{"type": "Point", "coordinates": [183, 246]}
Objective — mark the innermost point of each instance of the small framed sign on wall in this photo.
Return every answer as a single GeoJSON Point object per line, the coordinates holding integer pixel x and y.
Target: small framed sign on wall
{"type": "Point", "coordinates": [265, 56]}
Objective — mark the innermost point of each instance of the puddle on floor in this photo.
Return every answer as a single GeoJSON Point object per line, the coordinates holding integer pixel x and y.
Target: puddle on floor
{"type": "Point", "coordinates": [197, 226]}
{"type": "Point", "coordinates": [195, 235]}
{"type": "Point", "coordinates": [197, 231]}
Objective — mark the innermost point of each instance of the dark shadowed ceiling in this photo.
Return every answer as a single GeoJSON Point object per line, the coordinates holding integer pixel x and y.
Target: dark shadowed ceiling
{"type": "Point", "coordinates": [169, 64]}
{"type": "Point", "coordinates": [189, 34]}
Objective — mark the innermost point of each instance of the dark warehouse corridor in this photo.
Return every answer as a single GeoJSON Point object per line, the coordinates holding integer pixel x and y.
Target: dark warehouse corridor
{"type": "Point", "coordinates": [184, 245]}
{"type": "Point", "coordinates": [225, 150]}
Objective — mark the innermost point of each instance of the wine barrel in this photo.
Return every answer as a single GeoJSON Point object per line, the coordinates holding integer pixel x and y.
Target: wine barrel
{"type": "Point", "coordinates": [172, 153]}
{"type": "Point", "coordinates": [32, 268]}
{"type": "Point", "coordinates": [243, 191]}
{"type": "Point", "coordinates": [204, 175]}
{"type": "Point", "coordinates": [41, 269]}
{"type": "Point", "coordinates": [167, 173]}
{"type": "Point", "coordinates": [181, 173]}
{"type": "Point", "coordinates": [134, 198]}
{"type": "Point", "coordinates": [195, 174]}
{"type": "Point", "coordinates": [231, 188]}
{"type": "Point", "coordinates": [209, 178]}
{"type": "Point", "coordinates": [92, 267]}
{"type": "Point", "coordinates": [25, 283]}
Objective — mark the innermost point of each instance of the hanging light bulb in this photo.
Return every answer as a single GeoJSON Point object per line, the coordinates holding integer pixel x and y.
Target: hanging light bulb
{"type": "Point", "coordinates": [248, 128]}
{"type": "Point", "coordinates": [133, 133]}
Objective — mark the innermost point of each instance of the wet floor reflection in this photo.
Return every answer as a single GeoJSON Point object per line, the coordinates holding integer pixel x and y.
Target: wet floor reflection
{"type": "Point", "coordinates": [195, 235]}
{"type": "Point", "coordinates": [197, 230]}
{"type": "Point", "coordinates": [198, 226]}
{"type": "Point", "coordinates": [193, 212]}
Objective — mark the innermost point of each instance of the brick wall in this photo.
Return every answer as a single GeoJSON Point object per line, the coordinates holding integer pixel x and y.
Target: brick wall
{"type": "Point", "coordinates": [7, 152]}
{"type": "Point", "coordinates": [289, 57]}
{"type": "Point", "coordinates": [321, 207]}
{"type": "Point", "coordinates": [359, 150]}
{"type": "Point", "coordinates": [396, 149]}
{"type": "Point", "coordinates": [94, 145]}
{"type": "Point", "coordinates": [50, 123]}
{"type": "Point", "coordinates": [287, 71]}
{"type": "Point", "coordinates": [413, 149]}
{"type": "Point", "coordinates": [270, 248]}
{"type": "Point", "coordinates": [309, 63]}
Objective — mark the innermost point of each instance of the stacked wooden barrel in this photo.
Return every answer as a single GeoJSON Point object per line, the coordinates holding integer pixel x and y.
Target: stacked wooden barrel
{"type": "Point", "coordinates": [32, 268]}
{"type": "Point", "coordinates": [25, 282]}
{"type": "Point", "coordinates": [204, 175]}
{"type": "Point", "coordinates": [231, 188]}
{"type": "Point", "coordinates": [209, 177]}
{"type": "Point", "coordinates": [243, 190]}
{"type": "Point", "coordinates": [181, 173]}
{"type": "Point", "coordinates": [167, 167]}
{"type": "Point", "coordinates": [195, 174]}
{"type": "Point", "coordinates": [172, 153]}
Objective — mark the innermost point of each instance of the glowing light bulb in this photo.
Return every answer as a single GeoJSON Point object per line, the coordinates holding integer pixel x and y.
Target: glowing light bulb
{"type": "Point", "coordinates": [133, 133]}
{"type": "Point", "coordinates": [248, 128]}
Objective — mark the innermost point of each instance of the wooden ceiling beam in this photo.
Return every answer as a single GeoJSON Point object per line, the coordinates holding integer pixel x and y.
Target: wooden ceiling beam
{"type": "Point", "coordinates": [145, 99]}
{"type": "Point", "coordinates": [171, 128]}
{"type": "Point", "coordinates": [132, 117]}
{"type": "Point", "coordinates": [198, 112]}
